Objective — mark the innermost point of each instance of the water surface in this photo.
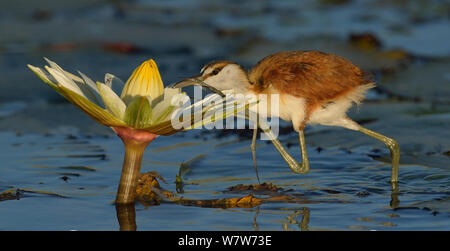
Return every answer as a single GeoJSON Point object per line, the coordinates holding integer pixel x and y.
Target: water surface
{"type": "Point", "coordinates": [344, 190]}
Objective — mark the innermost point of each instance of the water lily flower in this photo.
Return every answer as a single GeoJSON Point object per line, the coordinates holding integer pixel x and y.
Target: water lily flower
{"type": "Point", "coordinates": [143, 111]}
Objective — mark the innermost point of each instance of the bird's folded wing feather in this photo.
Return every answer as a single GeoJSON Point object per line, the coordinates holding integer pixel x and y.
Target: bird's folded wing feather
{"type": "Point", "coordinates": [312, 75]}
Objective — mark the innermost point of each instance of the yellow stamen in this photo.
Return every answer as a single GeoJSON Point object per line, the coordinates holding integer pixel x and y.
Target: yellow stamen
{"type": "Point", "coordinates": [145, 81]}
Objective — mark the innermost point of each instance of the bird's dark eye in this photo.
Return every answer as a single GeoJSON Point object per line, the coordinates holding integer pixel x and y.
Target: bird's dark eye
{"type": "Point", "coordinates": [215, 71]}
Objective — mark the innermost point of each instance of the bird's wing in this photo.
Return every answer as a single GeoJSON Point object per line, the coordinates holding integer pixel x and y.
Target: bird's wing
{"type": "Point", "coordinates": [312, 75]}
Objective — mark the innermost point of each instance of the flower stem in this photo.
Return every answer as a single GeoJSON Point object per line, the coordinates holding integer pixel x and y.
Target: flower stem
{"type": "Point", "coordinates": [134, 150]}
{"type": "Point", "coordinates": [135, 142]}
{"type": "Point", "coordinates": [126, 215]}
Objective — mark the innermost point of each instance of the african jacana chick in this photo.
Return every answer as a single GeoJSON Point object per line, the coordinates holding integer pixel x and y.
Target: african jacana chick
{"type": "Point", "coordinates": [313, 88]}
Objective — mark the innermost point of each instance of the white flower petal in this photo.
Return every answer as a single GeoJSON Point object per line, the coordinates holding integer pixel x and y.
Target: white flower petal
{"type": "Point", "coordinates": [59, 68]}
{"type": "Point", "coordinates": [89, 81]}
{"type": "Point", "coordinates": [219, 108]}
{"type": "Point", "coordinates": [115, 83]}
{"type": "Point", "coordinates": [160, 110]}
{"type": "Point", "coordinates": [42, 74]}
{"type": "Point", "coordinates": [92, 88]}
{"type": "Point", "coordinates": [73, 77]}
{"type": "Point", "coordinates": [65, 81]}
{"type": "Point", "coordinates": [170, 92]}
{"type": "Point", "coordinates": [170, 101]}
{"type": "Point", "coordinates": [112, 102]}
{"type": "Point", "coordinates": [86, 91]}
{"type": "Point", "coordinates": [198, 106]}
{"type": "Point", "coordinates": [53, 64]}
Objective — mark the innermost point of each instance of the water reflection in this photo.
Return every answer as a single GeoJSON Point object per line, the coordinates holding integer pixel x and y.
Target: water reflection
{"type": "Point", "coordinates": [255, 224]}
{"type": "Point", "coordinates": [126, 215]}
{"type": "Point", "coordinates": [293, 219]}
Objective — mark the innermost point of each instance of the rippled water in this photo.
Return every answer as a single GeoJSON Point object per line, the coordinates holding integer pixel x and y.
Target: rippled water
{"type": "Point", "coordinates": [344, 190]}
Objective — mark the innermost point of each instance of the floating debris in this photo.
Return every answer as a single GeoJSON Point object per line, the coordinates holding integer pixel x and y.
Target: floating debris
{"type": "Point", "coordinates": [17, 193]}
{"type": "Point", "coordinates": [11, 194]}
{"type": "Point", "coordinates": [147, 183]}
{"type": "Point", "coordinates": [264, 187]}
{"type": "Point", "coordinates": [243, 202]}
{"type": "Point", "coordinates": [149, 192]}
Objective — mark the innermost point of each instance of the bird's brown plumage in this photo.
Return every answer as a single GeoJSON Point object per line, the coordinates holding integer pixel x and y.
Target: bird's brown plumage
{"type": "Point", "coordinates": [315, 76]}
{"type": "Point", "coordinates": [308, 74]}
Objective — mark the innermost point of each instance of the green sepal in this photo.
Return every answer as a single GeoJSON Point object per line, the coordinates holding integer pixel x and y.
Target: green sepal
{"type": "Point", "coordinates": [164, 128]}
{"type": "Point", "coordinates": [138, 113]}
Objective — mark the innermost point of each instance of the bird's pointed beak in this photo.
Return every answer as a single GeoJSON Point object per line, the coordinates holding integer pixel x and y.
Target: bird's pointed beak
{"type": "Point", "coordinates": [184, 83]}
{"type": "Point", "coordinates": [196, 81]}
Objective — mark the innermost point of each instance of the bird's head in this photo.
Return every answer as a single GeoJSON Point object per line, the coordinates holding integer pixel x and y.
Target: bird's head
{"type": "Point", "coordinates": [221, 75]}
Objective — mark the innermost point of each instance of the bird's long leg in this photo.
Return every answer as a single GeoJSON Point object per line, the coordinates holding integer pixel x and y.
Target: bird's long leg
{"type": "Point", "coordinates": [305, 161]}
{"type": "Point", "coordinates": [293, 164]}
{"type": "Point", "coordinates": [393, 148]}
{"type": "Point", "coordinates": [253, 148]}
